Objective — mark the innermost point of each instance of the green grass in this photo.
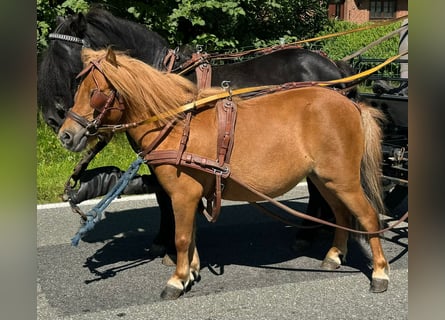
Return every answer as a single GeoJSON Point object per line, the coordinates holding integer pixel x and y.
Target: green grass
{"type": "Point", "coordinates": [55, 164]}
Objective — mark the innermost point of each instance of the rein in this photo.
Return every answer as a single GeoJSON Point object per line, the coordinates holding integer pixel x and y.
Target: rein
{"type": "Point", "coordinates": [219, 168]}
{"type": "Point", "coordinates": [200, 58]}
{"type": "Point", "coordinates": [77, 171]}
{"type": "Point", "coordinates": [311, 218]}
{"type": "Point", "coordinates": [258, 90]}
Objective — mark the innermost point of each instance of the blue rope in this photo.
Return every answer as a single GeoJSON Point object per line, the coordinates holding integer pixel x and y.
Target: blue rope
{"type": "Point", "coordinates": [95, 214]}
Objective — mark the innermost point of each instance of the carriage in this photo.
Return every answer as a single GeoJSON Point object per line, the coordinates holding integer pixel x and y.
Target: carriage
{"type": "Point", "coordinates": [390, 95]}
{"type": "Point", "coordinates": [393, 183]}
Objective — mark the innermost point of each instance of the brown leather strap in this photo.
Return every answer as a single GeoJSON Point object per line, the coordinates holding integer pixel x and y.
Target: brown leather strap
{"type": "Point", "coordinates": [204, 75]}
{"type": "Point", "coordinates": [190, 160]}
{"type": "Point", "coordinates": [226, 115]}
{"type": "Point", "coordinates": [162, 134]}
{"type": "Point", "coordinates": [169, 60]}
{"type": "Point", "coordinates": [184, 138]}
{"type": "Point", "coordinates": [311, 218]}
{"type": "Point", "coordinates": [211, 212]}
{"type": "Point", "coordinates": [226, 129]}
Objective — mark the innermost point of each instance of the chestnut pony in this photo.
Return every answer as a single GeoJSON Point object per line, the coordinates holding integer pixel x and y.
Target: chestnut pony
{"type": "Point", "coordinates": [279, 139]}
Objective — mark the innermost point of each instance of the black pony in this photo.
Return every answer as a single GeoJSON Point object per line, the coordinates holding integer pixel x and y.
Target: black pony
{"type": "Point", "coordinates": [99, 29]}
{"type": "Point", "coordinates": [61, 63]}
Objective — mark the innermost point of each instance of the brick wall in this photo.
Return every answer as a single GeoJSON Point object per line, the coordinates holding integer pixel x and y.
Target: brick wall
{"type": "Point", "coordinates": [358, 10]}
{"type": "Point", "coordinates": [355, 13]}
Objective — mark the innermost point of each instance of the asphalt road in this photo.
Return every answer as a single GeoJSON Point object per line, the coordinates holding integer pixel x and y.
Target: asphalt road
{"type": "Point", "coordinates": [249, 269]}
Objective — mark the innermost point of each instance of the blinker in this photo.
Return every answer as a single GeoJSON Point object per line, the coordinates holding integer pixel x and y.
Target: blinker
{"type": "Point", "coordinates": [98, 100]}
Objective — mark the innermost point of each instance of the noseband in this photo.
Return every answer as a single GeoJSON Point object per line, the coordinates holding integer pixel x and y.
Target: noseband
{"type": "Point", "coordinates": [99, 101]}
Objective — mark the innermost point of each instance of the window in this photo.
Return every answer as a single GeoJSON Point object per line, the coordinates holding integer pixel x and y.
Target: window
{"type": "Point", "coordinates": [382, 9]}
{"type": "Point", "coordinates": [336, 9]}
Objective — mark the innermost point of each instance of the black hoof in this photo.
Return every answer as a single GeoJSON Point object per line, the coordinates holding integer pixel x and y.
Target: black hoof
{"type": "Point", "coordinates": [171, 293]}
{"type": "Point", "coordinates": [379, 285]}
{"type": "Point", "coordinates": [196, 276]}
{"type": "Point", "coordinates": [329, 264]}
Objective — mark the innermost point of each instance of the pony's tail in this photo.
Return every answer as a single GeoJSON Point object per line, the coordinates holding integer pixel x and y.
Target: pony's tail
{"type": "Point", "coordinates": [370, 170]}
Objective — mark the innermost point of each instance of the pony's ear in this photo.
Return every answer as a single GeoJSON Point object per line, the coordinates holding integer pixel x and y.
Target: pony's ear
{"type": "Point", "coordinates": [111, 57]}
{"type": "Point", "coordinates": [79, 25]}
{"type": "Point", "coordinates": [59, 20]}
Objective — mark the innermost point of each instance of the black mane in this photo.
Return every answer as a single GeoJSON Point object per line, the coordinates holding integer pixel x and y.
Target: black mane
{"type": "Point", "coordinates": [61, 62]}
{"type": "Point", "coordinates": [122, 35]}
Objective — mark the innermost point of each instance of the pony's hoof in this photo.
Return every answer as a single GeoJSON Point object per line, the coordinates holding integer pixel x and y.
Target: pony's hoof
{"type": "Point", "coordinates": [329, 264]}
{"type": "Point", "coordinates": [379, 285]}
{"type": "Point", "coordinates": [195, 277]}
{"type": "Point", "coordinates": [169, 260]}
{"type": "Point", "coordinates": [171, 293]}
{"type": "Point", "coordinates": [157, 250]}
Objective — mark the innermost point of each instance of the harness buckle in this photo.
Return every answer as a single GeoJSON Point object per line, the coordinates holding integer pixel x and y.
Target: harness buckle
{"type": "Point", "coordinates": [223, 171]}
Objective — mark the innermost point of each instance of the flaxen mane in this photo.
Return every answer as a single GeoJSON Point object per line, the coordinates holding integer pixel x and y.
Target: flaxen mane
{"type": "Point", "coordinates": [148, 91]}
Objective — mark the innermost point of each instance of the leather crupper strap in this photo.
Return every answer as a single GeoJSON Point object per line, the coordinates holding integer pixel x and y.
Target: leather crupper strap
{"type": "Point", "coordinates": [220, 168]}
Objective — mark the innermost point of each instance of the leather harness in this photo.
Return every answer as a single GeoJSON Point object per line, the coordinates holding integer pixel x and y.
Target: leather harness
{"type": "Point", "coordinates": [220, 168]}
{"type": "Point", "coordinates": [226, 114]}
{"type": "Point", "coordinates": [226, 110]}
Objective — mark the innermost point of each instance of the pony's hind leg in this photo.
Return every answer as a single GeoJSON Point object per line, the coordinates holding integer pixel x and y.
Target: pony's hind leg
{"type": "Point", "coordinates": [368, 218]}
{"type": "Point", "coordinates": [346, 201]}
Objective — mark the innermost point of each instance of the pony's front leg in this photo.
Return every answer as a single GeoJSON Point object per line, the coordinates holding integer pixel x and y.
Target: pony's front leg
{"type": "Point", "coordinates": [187, 264]}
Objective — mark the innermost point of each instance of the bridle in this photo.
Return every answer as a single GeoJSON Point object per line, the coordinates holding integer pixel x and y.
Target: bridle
{"type": "Point", "coordinates": [67, 38]}
{"type": "Point", "coordinates": [99, 101]}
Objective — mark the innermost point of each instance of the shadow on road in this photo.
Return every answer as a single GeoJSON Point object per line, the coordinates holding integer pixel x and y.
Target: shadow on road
{"type": "Point", "coordinates": [242, 236]}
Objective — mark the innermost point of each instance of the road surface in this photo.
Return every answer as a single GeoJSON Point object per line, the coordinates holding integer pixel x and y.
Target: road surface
{"type": "Point", "coordinates": [250, 270]}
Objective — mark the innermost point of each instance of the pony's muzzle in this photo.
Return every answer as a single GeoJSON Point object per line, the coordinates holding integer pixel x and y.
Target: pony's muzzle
{"type": "Point", "coordinates": [66, 138]}
{"type": "Point", "coordinates": [73, 141]}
